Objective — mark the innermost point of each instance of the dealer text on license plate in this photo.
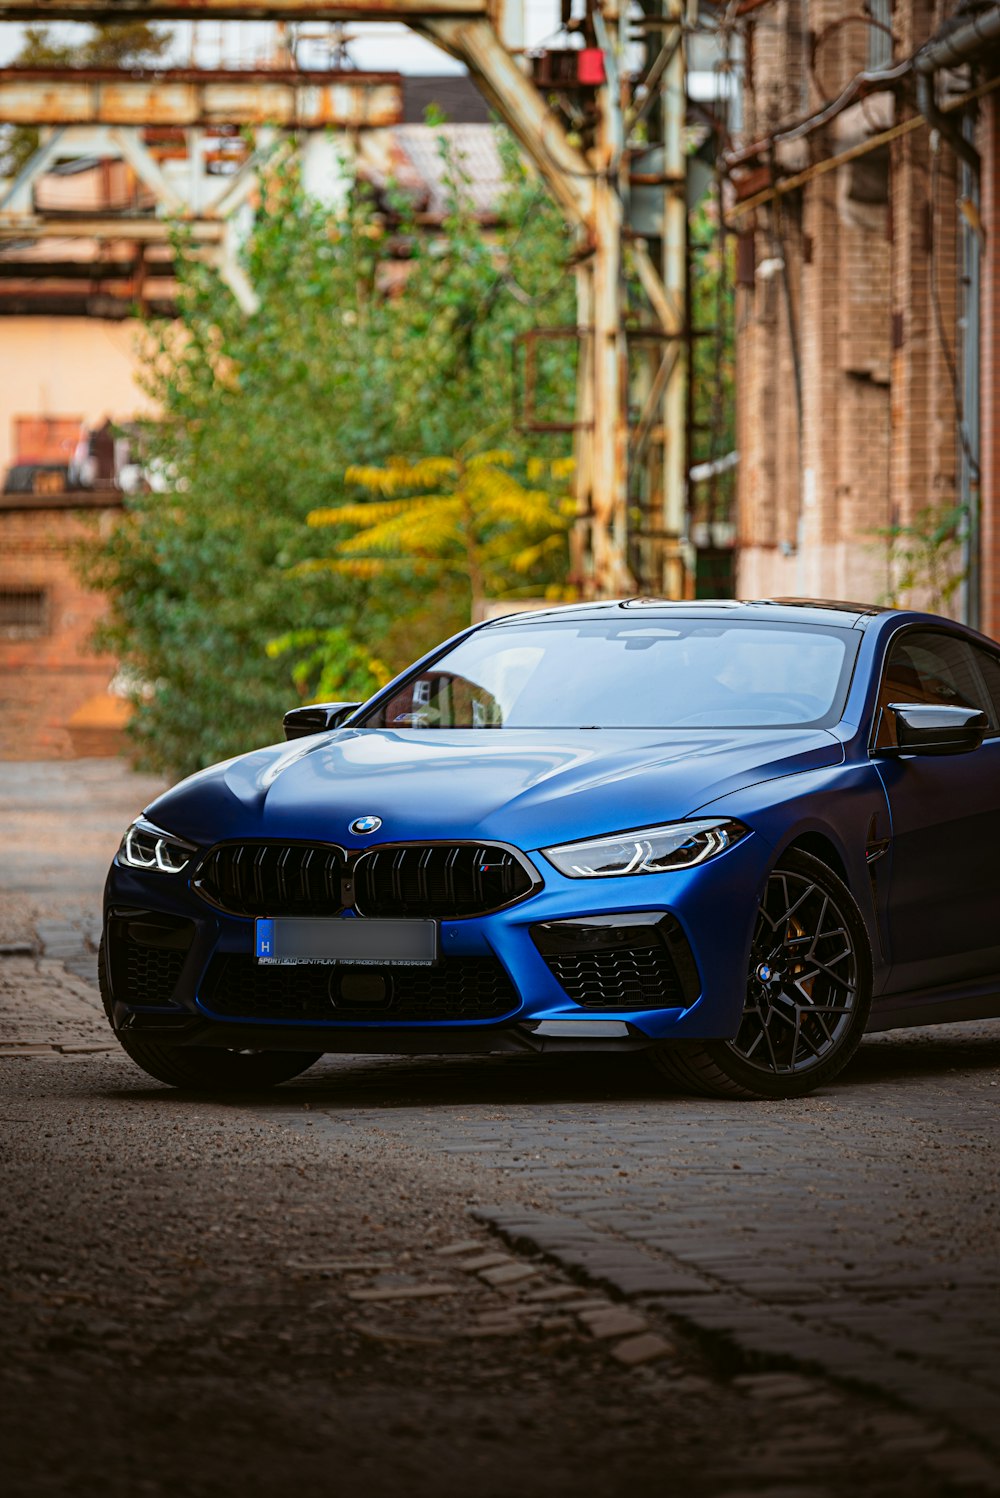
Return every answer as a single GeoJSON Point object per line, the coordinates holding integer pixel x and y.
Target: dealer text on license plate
{"type": "Point", "coordinates": [288, 940]}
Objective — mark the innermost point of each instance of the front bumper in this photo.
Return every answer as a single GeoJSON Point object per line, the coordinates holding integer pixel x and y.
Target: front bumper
{"type": "Point", "coordinates": [542, 965]}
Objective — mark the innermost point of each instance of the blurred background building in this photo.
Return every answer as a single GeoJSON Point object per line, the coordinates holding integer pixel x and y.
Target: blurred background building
{"type": "Point", "coordinates": [865, 201]}
{"type": "Point", "coordinates": [848, 152]}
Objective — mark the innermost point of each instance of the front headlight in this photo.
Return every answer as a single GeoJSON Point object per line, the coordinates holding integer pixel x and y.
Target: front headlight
{"type": "Point", "coordinates": [147, 847]}
{"type": "Point", "coordinates": [649, 850]}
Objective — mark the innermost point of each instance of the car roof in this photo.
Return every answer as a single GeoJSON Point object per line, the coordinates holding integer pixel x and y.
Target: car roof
{"type": "Point", "coordinates": [780, 610]}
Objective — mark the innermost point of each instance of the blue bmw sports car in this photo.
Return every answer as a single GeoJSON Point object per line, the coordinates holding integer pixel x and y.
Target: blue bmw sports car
{"type": "Point", "coordinates": [733, 835]}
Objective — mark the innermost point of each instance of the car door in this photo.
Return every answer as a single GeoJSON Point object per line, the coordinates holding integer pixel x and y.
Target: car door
{"type": "Point", "coordinates": [943, 906]}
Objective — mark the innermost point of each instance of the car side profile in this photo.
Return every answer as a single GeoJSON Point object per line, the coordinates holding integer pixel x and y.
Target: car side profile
{"type": "Point", "coordinates": [733, 835]}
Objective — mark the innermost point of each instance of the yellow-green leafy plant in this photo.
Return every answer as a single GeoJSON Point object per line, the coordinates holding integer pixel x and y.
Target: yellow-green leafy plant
{"type": "Point", "coordinates": [466, 521]}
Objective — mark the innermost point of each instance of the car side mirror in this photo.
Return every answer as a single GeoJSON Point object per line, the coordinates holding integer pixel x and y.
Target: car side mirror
{"type": "Point", "coordinates": [318, 717]}
{"type": "Point", "coordinates": [923, 728]}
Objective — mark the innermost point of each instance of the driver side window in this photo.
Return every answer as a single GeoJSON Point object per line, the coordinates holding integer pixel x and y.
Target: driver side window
{"type": "Point", "coordinates": [436, 699]}
{"type": "Point", "coordinates": [925, 666]}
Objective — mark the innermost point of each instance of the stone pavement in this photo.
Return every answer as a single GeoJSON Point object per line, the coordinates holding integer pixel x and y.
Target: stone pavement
{"type": "Point", "coordinates": [854, 1233]}
{"type": "Point", "coordinates": [60, 823]}
{"type": "Point", "coordinates": [851, 1237]}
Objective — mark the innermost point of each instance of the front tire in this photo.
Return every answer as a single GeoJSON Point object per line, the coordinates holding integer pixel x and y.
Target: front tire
{"type": "Point", "coordinates": [809, 993]}
{"type": "Point", "coordinates": [203, 1068]}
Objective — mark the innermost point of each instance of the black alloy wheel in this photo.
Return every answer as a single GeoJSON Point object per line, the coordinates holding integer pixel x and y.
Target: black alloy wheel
{"type": "Point", "coordinates": [204, 1068]}
{"type": "Point", "coordinates": [808, 996]}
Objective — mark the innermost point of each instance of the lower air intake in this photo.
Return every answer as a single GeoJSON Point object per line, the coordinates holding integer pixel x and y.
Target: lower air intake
{"type": "Point", "coordinates": [461, 988]}
{"type": "Point", "coordinates": [636, 960]}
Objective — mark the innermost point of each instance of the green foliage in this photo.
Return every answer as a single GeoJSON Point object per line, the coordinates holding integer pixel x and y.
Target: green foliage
{"type": "Point", "coordinates": [262, 415]}
{"type": "Point", "coordinates": [713, 369]}
{"type": "Point", "coordinates": [122, 44]}
{"type": "Point", "coordinates": [480, 526]}
{"type": "Point", "coordinates": [125, 44]}
{"type": "Point", "coordinates": [925, 558]}
{"type": "Point", "coordinates": [330, 666]}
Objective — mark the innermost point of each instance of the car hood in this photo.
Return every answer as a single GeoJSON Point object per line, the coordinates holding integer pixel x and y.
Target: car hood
{"type": "Point", "coordinates": [529, 787]}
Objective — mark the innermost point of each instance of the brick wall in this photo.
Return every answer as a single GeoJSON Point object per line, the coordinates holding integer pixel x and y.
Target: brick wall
{"type": "Point", "coordinates": [46, 678]}
{"type": "Point", "coordinates": [871, 256]}
{"type": "Point", "coordinates": [989, 142]}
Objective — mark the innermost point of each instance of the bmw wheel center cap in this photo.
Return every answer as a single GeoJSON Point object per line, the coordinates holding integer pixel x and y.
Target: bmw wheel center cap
{"type": "Point", "coordinates": [366, 824]}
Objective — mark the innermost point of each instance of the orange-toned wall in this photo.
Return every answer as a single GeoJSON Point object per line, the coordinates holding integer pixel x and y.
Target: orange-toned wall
{"type": "Point", "coordinates": [54, 367]}
{"type": "Point", "coordinates": [68, 366]}
{"type": "Point", "coordinates": [44, 680]}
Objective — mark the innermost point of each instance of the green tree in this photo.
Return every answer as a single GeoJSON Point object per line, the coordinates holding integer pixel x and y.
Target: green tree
{"type": "Point", "coordinates": [262, 416]}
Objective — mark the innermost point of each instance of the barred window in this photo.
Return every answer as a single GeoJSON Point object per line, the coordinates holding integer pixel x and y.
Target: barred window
{"type": "Point", "coordinates": [880, 35]}
{"type": "Point", "coordinates": [24, 613]}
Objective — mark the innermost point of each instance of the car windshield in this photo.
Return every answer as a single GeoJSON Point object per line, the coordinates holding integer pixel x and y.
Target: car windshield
{"type": "Point", "coordinates": [628, 673]}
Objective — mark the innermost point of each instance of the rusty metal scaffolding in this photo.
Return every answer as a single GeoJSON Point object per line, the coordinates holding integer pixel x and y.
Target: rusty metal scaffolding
{"type": "Point", "coordinates": [184, 97]}
{"type": "Point", "coordinates": [619, 180]}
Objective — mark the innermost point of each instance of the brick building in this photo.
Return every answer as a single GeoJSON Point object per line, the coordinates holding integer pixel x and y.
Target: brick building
{"type": "Point", "coordinates": [867, 188]}
{"type": "Point", "coordinates": [54, 702]}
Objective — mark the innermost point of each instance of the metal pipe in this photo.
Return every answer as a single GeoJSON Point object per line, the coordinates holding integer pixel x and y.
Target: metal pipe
{"type": "Point", "coordinates": [969, 445]}
{"type": "Point", "coordinates": [952, 132]}
{"type": "Point", "coordinates": [958, 47]}
{"type": "Point", "coordinates": [961, 44]}
{"type": "Point", "coordinates": [864, 148]}
{"type": "Point", "coordinates": [948, 51]}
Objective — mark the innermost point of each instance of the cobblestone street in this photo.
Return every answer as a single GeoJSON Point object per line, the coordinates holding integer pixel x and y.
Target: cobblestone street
{"type": "Point", "coordinates": [455, 1276]}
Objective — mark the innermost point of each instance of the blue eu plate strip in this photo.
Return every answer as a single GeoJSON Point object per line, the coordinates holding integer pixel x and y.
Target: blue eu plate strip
{"type": "Point", "coordinates": [265, 939]}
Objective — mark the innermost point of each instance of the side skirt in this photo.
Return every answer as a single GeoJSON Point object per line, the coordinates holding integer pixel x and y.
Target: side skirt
{"type": "Point", "coordinates": [901, 1011]}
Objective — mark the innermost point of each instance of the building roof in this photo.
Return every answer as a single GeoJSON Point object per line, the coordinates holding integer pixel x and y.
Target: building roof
{"type": "Point", "coordinates": [454, 94]}
{"type": "Point", "coordinates": [476, 151]}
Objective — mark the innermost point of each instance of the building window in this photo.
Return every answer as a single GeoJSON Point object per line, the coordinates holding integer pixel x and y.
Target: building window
{"type": "Point", "coordinates": [24, 613]}
{"type": "Point", "coordinates": [879, 34]}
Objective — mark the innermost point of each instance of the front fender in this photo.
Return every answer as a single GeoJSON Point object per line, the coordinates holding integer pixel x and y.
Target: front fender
{"type": "Point", "coordinates": [844, 807]}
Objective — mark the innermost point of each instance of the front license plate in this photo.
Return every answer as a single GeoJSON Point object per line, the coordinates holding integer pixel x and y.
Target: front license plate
{"type": "Point", "coordinates": [290, 940]}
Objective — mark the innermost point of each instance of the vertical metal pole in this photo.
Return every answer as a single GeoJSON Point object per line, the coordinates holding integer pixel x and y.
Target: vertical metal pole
{"type": "Point", "coordinates": [609, 485]}
{"type": "Point", "coordinates": [674, 255]}
{"type": "Point", "coordinates": [581, 560]}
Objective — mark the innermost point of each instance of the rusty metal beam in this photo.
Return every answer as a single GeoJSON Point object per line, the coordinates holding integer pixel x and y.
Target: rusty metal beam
{"type": "Point", "coordinates": [42, 271]}
{"type": "Point", "coordinates": [236, 10]}
{"type": "Point", "coordinates": [183, 97]}
{"type": "Point", "coordinates": [562, 166]}
{"type": "Point", "coordinates": [149, 230]}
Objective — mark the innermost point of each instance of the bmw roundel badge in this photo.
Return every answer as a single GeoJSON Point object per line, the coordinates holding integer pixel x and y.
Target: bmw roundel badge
{"type": "Point", "coordinates": [366, 824]}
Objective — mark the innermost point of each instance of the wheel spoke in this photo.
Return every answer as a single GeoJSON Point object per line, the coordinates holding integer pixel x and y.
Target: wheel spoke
{"type": "Point", "coordinates": [819, 967]}
{"type": "Point", "coordinates": [770, 1047]}
{"type": "Point", "coordinates": [756, 1042]}
{"type": "Point", "coordinates": [831, 961]}
{"type": "Point", "coordinates": [800, 1034]}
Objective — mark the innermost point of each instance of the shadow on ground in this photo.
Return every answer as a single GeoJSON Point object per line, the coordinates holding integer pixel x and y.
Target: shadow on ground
{"type": "Point", "coordinates": [407, 1081]}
